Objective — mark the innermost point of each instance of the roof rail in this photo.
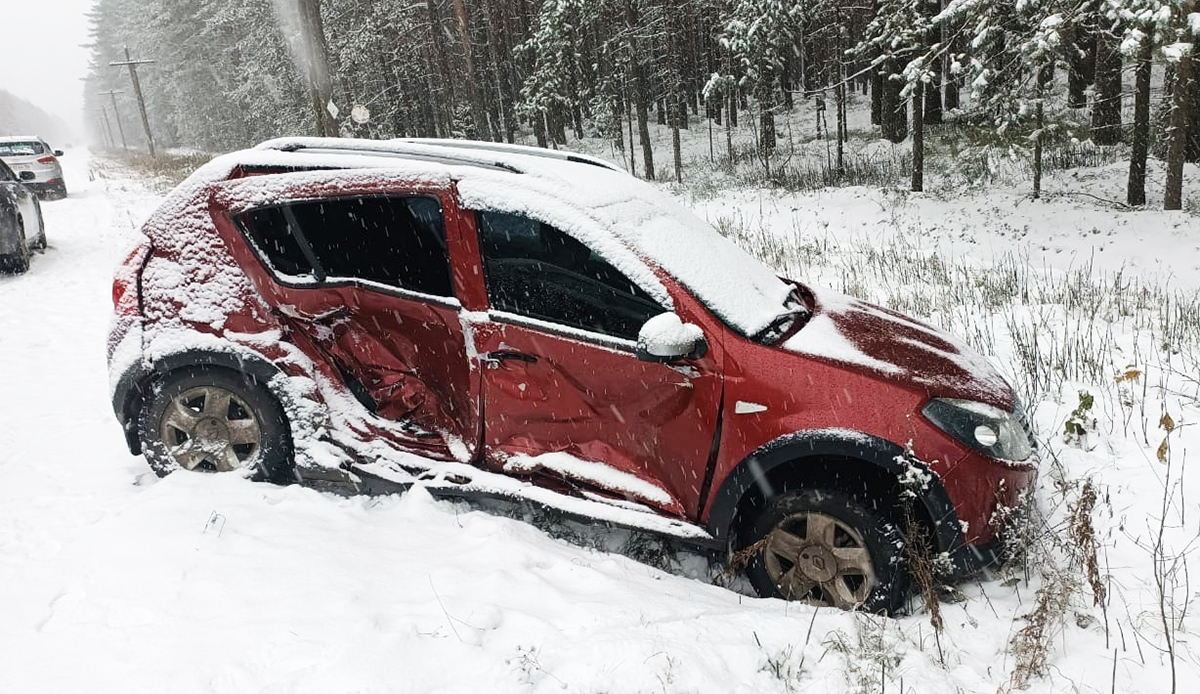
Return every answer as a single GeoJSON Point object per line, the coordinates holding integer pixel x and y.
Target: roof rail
{"type": "Point", "coordinates": [504, 148]}
{"type": "Point", "coordinates": [386, 148]}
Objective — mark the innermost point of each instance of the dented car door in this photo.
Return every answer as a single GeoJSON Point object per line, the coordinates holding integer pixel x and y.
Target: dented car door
{"type": "Point", "coordinates": [362, 281]}
{"type": "Point", "coordinates": [565, 397]}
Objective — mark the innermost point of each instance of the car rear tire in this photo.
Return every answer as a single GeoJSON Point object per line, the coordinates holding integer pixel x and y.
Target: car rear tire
{"type": "Point", "coordinates": [17, 263]}
{"type": "Point", "coordinates": [827, 548]}
{"type": "Point", "coordinates": [210, 419]}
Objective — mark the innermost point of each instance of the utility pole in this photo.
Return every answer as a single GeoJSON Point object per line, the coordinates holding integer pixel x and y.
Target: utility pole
{"type": "Point", "coordinates": [137, 90]}
{"type": "Point", "coordinates": [107, 132]}
{"type": "Point", "coordinates": [116, 112]}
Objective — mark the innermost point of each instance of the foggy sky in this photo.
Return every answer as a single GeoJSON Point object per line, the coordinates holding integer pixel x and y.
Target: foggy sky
{"type": "Point", "coordinates": [44, 58]}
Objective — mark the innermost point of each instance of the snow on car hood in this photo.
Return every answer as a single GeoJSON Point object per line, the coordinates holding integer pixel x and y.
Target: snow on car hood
{"type": "Point", "coordinates": [849, 331]}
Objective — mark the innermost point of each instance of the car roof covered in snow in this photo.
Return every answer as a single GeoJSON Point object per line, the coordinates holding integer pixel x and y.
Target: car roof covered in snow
{"type": "Point", "coordinates": [586, 197]}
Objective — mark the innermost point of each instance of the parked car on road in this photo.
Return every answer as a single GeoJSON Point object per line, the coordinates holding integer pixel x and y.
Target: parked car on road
{"type": "Point", "coordinates": [34, 155]}
{"type": "Point", "coordinates": [21, 227]}
{"type": "Point", "coordinates": [486, 320]}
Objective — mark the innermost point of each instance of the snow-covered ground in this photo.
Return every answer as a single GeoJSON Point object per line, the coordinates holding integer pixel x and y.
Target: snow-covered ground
{"type": "Point", "coordinates": [114, 581]}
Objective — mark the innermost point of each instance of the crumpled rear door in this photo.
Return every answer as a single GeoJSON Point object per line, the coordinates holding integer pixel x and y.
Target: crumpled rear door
{"type": "Point", "coordinates": [358, 267]}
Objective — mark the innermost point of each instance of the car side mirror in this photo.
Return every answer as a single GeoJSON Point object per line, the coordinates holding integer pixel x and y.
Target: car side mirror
{"type": "Point", "coordinates": [58, 152]}
{"type": "Point", "coordinates": [665, 338]}
{"type": "Point", "coordinates": [27, 175]}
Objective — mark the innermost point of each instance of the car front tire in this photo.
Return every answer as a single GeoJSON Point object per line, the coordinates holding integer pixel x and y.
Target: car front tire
{"type": "Point", "coordinates": [210, 419]}
{"type": "Point", "coordinates": [825, 547]}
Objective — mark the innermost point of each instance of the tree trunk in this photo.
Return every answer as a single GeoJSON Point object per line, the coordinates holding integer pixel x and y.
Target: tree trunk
{"type": "Point", "coordinates": [932, 112]}
{"type": "Point", "coordinates": [498, 56]}
{"type": "Point", "coordinates": [539, 130]}
{"type": "Point", "coordinates": [445, 83]}
{"type": "Point", "coordinates": [765, 96]}
{"type": "Point", "coordinates": [1184, 76]}
{"type": "Point", "coordinates": [556, 124]}
{"type": "Point", "coordinates": [918, 143]}
{"type": "Point", "coordinates": [1191, 148]}
{"type": "Point", "coordinates": [893, 111]}
{"type": "Point", "coordinates": [840, 97]}
{"type": "Point", "coordinates": [1044, 79]}
{"type": "Point", "coordinates": [1136, 188]}
{"type": "Point", "coordinates": [876, 96]}
{"type": "Point", "coordinates": [1081, 61]}
{"type": "Point", "coordinates": [641, 88]}
{"type": "Point", "coordinates": [1106, 107]}
{"type": "Point", "coordinates": [320, 86]}
{"type": "Point", "coordinates": [951, 100]}
{"type": "Point", "coordinates": [933, 99]}
{"type": "Point", "coordinates": [483, 129]}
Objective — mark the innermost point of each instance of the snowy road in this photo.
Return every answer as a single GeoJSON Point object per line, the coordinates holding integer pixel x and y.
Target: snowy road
{"type": "Point", "coordinates": [114, 581]}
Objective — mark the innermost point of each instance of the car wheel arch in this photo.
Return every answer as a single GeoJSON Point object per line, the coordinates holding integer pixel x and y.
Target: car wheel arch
{"type": "Point", "coordinates": [134, 385]}
{"type": "Point", "coordinates": [850, 462]}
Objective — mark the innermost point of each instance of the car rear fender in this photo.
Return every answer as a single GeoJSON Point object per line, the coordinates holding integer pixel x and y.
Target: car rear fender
{"type": "Point", "coordinates": [135, 382]}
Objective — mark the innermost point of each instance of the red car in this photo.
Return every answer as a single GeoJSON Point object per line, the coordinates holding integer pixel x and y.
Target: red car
{"type": "Point", "coordinates": [490, 320]}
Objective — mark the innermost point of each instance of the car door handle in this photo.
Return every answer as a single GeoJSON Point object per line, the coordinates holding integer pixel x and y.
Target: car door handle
{"type": "Point", "coordinates": [494, 359]}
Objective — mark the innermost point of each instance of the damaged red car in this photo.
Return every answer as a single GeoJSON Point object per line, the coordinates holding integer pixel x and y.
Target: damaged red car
{"type": "Point", "coordinates": [486, 320]}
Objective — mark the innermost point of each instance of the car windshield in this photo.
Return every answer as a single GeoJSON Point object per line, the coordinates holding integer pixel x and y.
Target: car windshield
{"type": "Point", "coordinates": [21, 149]}
{"type": "Point", "coordinates": [741, 290]}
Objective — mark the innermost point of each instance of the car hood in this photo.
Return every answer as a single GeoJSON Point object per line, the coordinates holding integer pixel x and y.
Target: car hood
{"type": "Point", "coordinates": [864, 336]}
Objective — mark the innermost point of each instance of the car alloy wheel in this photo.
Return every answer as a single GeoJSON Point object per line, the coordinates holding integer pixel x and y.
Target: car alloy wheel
{"type": "Point", "coordinates": [210, 429]}
{"type": "Point", "coordinates": [211, 419]}
{"type": "Point", "coordinates": [825, 547]}
{"type": "Point", "coordinates": [817, 558]}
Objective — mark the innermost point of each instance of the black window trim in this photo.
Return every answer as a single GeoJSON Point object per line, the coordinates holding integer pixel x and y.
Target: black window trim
{"type": "Point", "coordinates": [322, 280]}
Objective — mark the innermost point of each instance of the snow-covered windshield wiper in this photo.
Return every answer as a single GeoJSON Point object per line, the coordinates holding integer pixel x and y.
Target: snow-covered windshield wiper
{"type": "Point", "coordinates": [796, 315]}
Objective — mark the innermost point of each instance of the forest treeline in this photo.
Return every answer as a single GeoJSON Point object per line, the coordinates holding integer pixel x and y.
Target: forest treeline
{"type": "Point", "coordinates": [228, 73]}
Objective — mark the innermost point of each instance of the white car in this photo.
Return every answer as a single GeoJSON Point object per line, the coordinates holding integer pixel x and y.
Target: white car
{"type": "Point", "coordinates": [33, 154]}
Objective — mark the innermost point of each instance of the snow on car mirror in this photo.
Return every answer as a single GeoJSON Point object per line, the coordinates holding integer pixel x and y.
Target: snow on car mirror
{"type": "Point", "coordinates": [666, 338]}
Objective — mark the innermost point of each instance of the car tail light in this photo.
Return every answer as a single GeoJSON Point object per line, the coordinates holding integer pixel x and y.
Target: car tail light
{"type": "Point", "coordinates": [47, 160]}
{"type": "Point", "coordinates": [126, 279]}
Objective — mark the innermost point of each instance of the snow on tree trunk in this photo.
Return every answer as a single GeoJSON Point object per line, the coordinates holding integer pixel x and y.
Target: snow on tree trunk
{"type": "Point", "coordinates": [1184, 78]}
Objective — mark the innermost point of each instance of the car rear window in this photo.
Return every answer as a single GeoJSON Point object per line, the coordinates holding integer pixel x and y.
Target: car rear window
{"type": "Point", "coordinates": [269, 232]}
{"type": "Point", "coordinates": [391, 240]}
{"type": "Point", "coordinates": [20, 149]}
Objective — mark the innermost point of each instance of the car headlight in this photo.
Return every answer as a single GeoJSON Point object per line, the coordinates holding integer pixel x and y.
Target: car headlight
{"type": "Point", "coordinates": [989, 430]}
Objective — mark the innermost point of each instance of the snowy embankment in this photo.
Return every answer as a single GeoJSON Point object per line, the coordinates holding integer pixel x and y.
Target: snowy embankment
{"type": "Point", "coordinates": [112, 580]}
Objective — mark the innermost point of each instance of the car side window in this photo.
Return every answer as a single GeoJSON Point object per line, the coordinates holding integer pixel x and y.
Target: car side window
{"type": "Point", "coordinates": [6, 174]}
{"type": "Point", "coordinates": [269, 231]}
{"type": "Point", "coordinates": [535, 270]}
{"type": "Point", "coordinates": [395, 241]}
